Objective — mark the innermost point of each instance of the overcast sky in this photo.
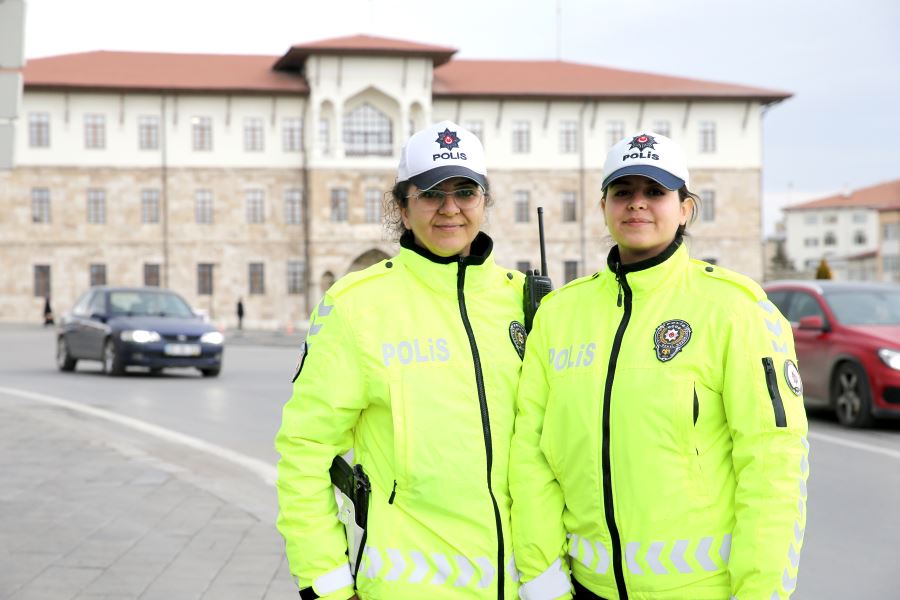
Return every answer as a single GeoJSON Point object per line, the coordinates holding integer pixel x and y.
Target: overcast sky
{"type": "Point", "coordinates": [840, 58]}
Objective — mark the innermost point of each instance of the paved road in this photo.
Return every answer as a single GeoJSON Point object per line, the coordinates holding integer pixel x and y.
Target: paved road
{"type": "Point", "coordinates": [84, 500]}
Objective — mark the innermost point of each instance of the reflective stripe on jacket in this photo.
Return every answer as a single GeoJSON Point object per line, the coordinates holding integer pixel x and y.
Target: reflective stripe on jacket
{"type": "Point", "coordinates": [411, 363]}
{"type": "Point", "coordinates": [660, 438]}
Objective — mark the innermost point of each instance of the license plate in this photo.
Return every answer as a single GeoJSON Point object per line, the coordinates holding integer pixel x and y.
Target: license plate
{"type": "Point", "coordinates": [182, 349]}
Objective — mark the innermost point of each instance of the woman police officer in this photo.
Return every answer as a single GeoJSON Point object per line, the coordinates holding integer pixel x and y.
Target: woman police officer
{"type": "Point", "coordinates": [413, 363]}
{"type": "Point", "coordinates": [660, 436]}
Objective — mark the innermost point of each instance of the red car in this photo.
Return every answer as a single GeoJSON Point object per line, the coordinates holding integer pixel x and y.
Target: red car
{"type": "Point", "coordinates": [847, 336]}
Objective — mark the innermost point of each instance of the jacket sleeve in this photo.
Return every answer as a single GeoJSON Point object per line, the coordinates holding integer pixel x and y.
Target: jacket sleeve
{"type": "Point", "coordinates": [764, 408]}
{"type": "Point", "coordinates": [316, 426]}
{"type": "Point", "coordinates": [538, 533]}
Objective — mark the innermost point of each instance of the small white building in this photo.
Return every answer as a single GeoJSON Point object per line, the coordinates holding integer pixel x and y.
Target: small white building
{"type": "Point", "coordinates": [857, 233]}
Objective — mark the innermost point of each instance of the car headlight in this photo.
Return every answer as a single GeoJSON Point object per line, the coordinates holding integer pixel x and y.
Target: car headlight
{"type": "Point", "coordinates": [139, 336]}
{"type": "Point", "coordinates": [212, 337]}
{"type": "Point", "coordinates": [890, 357]}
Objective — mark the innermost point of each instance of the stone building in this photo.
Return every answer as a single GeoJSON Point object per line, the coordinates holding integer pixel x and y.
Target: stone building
{"type": "Point", "coordinates": [263, 177]}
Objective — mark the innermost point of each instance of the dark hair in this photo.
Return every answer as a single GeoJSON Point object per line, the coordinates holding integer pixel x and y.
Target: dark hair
{"type": "Point", "coordinates": [683, 194]}
{"type": "Point", "coordinates": [397, 199]}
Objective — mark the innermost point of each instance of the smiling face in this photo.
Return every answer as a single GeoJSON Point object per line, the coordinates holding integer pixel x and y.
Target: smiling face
{"type": "Point", "coordinates": [445, 230]}
{"type": "Point", "coordinates": [643, 216]}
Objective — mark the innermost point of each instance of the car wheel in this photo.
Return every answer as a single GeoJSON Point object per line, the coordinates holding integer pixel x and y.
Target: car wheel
{"type": "Point", "coordinates": [64, 360]}
{"type": "Point", "coordinates": [851, 396]}
{"type": "Point", "coordinates": [112, 362]}
{"type": "Point", "coordinates": [213, 372]}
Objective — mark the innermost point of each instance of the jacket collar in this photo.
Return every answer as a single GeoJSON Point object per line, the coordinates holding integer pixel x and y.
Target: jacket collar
{"type": "Point", "coordinates": [652, 273]}
{"type": "Point", "coordinates": [440, 272]}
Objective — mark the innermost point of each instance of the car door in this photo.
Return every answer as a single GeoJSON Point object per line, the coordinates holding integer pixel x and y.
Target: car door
{"type": "Point", "coordinates": [812, 346]}
{"type": "Point", "coordinates": [95, 328]}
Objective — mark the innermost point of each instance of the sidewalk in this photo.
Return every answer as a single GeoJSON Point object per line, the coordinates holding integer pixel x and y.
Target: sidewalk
{"type": "Point", "coordinates": [91, 512]}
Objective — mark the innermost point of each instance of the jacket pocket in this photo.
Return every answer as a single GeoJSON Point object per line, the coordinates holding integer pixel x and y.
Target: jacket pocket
{"type": "Point", "coordinates": [774, 393]}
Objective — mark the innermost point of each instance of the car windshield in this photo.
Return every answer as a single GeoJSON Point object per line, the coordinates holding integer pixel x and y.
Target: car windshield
{"type": "Point", "coordinates": [143, 303]}
{"type": "Point", "coordinates": [866, 307]}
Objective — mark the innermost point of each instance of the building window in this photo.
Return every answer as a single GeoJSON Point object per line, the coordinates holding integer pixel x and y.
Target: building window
{"type": "Point", "coordinates": [569, 207]}
{"type": "Point", "coordinates": [203, 206]}
{"type": "Point", "coordinates": [256, 209]}
{"type": "Point", "coordinates": [293, 203]}
{"type": "Point", "coordinates": [39, 130]}
{"type": "Point", "coordinates": [94, 131]}
{"type": "Point", "coordinates": [707, 205]}
{"type": "Point", "coordinates": [40, 205]}
{"type": "Point", "coordinates": [890, 264]}
{"type": "Point", "coordinates": [149, 206]}
{"type": "Point", "coordinates": [291, 134]}
{"type": "Point", "coordinates": [811, 219]}
{"type": "Point", "coordinates": [522, 206]}
{"type": "Point", "coordinates": [707, 136]}
{"type": "Point", "coordinates": [339, 205]}
{"type": "Point", "coordinates": [830, 239]}
{"type": "Point", "coordinates": [254, 136]}
{"type": "Point", "coordinates": [568, 137]}
{"type": "Point", "coordinates": [615, 131]}
{"type": "Point", "coordinates": [151, 274]}
{"type": "Point", "coordinates": [98, 274]}
{"type": "Point", "coordinates": [662, 128]}
{"type": "Point", "coordinates": [368, 131]}
{"type": "Point", "coordinates": [42, 281]}
{"type": "Point", "coordinates": [521, 141]}
{"type": "Point", "coordinates": [570, 270]}
{"type": "Point", "coordinates": [373, 205]}
{"type": "Point", "coordinates": [325, 135]}
{"type": "Point", "coordinates": [523, 266]}
{"type": "Point", "coordinates": [257, 278]}
{"type": "Point", "coordinates": [860, 217]}
{"type": "Point", "coordinates": [811, 242]}
{"type": "Point", "coordinates": [148, 132]}
{"type": "Point", "coordinates": [476, 127]}
{"type": "Point", "coordinates": [204, 279]}
{"type": "Point", "coordinates": [202, 133]}
{"type": "Point", "coordinates": [96, 206]}
{"type": "Point", "coordinates": [296, 277]}
{"type": "Point", "coordinates": [891, 231]}
{"type": "Point", "coordinates": [859, 238]}
{"type": "Point", "coordinates": [830, 219]}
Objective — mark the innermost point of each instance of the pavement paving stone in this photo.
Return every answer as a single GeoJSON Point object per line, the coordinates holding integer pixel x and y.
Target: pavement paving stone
{"type": "Point", "coordinates": [93, 517]}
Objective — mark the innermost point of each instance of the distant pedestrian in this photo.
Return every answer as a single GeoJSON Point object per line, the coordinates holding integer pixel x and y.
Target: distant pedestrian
{"type": "Point", "coordinates": [48, 312]}
{"type": "Point", "coordinates": [240, 313]}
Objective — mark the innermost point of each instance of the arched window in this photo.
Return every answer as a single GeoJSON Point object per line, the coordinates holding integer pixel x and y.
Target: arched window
{"type": "Point", "coordinates": [367, 130]}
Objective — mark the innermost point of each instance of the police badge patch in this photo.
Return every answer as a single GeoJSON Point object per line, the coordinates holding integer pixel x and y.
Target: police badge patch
{"type": "Point", "coordinates": [670, 338]}
{"type": "Point", "coordinates": [792, 376]}
{"type": "Point", "coordinates": [518, 335]}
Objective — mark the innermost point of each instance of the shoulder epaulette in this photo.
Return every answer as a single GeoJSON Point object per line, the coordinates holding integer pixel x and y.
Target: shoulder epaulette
{"type": "Point", "coordinates": [570, 285]}
{"type": "Point", "coordinates": [351, 280]}
{"type": "Point", "coordinates": [742, 281]}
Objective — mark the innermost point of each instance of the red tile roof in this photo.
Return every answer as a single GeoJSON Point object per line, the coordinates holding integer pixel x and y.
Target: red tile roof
{"type": "Point", "coordinates": [551, 79]}
{"type": "Point", "coordinates": [211, 73]}
{"type": "Point", "coordinates": [146, 71]}
{"type": "Point", "coordinates": [362, 44]}
{"type": "Point", "coordinates": [883, 196]}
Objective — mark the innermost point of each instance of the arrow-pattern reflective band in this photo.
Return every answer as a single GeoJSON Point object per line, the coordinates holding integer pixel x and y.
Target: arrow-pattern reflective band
{"type": "Point", "coordinates": [584, 551]}
{"type": "Point", "coordinates": [321, 311]}
{"type": "Point", "coordinates": [789, 577]}
{"type": "Point", "coordinates": [774, 327]}
{"type": "Point", "coordinates": [414, 566]}
{"type": "Point", "coordinates": [684, 556]}
{"type": "Point", "coordinates": [511, 569]}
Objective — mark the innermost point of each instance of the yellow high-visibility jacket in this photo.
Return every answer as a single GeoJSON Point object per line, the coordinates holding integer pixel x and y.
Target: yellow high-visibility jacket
{"type": "Point", "coordinates": [660, 438]}
{"type": "Point", "coordinates": [413, 363]}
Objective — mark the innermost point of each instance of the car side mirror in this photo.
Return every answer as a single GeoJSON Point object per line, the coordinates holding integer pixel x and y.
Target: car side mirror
{"type": "Point", "coordinates": [98, 317]}
{"type": "Point", "coordinates": [812, 323]}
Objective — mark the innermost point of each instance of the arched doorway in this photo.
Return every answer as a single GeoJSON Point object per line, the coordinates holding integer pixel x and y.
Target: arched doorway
{"type": "Point", "coordinates": [367, 259]}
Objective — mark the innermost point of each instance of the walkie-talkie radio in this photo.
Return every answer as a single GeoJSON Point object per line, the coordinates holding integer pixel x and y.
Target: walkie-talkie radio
{"type": "Point", "coordinates": [537, 283]}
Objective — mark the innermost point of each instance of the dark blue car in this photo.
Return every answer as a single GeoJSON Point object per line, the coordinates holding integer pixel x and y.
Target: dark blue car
{"type": "Point", "coordinates": [149, 327]}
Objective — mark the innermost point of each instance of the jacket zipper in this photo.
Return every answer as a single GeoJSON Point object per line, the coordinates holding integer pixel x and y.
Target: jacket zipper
{"type": "Point", "coordinates": [607, 473]}
{"type": "Point", "coordinates": [774, 394]}
{"type": "Point", "coordinates": [485, 419]}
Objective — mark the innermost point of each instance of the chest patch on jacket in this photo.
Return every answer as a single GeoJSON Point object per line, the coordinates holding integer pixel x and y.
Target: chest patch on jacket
{"type": "Point", "coordinates": [517, 336]}
{"type": "Point", "coordinates": [670, 338]}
